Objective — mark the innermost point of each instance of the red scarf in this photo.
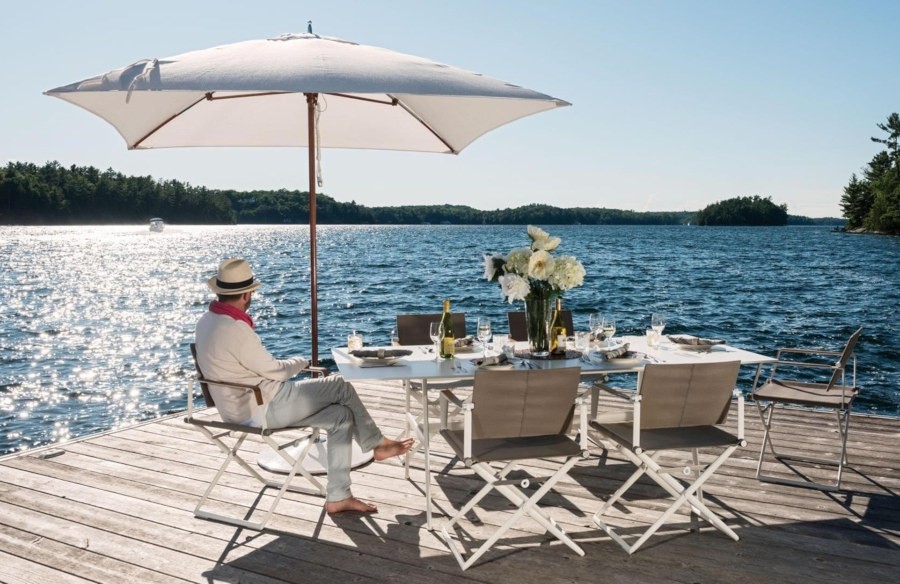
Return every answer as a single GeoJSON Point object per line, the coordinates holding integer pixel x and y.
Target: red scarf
{"type": "Point", "coordinates": [217, 307]}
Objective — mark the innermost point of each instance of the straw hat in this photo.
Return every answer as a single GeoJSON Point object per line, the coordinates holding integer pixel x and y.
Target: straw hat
{"type": "Point", "coordinates": [234, 277]}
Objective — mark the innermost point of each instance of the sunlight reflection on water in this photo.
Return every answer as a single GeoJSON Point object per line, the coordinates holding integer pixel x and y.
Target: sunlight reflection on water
{"type": "Point", "coordinates": [95, 322]}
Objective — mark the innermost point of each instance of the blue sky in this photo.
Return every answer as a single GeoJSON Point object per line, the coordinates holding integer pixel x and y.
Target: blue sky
{"type": "Point", "coordinates": [676, 105]}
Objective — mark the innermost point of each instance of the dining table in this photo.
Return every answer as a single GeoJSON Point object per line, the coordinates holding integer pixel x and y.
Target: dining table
{"type": "Point", "coordinates": [422, 367]}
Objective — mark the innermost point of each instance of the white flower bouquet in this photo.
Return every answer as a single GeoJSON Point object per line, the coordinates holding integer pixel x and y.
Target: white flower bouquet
{"type": "Point", "coordinates": [534, 275]}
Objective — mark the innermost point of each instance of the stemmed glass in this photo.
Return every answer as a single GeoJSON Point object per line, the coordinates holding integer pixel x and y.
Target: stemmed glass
{"type": "Point", "coordinates": [484, 333]}
{"type": "Point", "coordinates": [658, 322]}
{"type": "Point", "coordinates": [608, 326]}
{"type": "Point", "coordinates": [435, 331]}
{"type": "Point", "coordinates": [595, 323]}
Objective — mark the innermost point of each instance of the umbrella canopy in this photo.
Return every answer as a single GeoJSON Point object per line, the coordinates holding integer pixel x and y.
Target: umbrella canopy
{"type": "Point", "coordinates": [302, 90]}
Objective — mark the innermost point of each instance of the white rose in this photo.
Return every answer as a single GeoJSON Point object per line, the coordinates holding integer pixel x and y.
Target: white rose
{"type": "Point", "coordinates": [536, 233]}
{"type": "Point", "coordinates": [567, 273]}
{"type": "Point", "coordinates": [541, 265]}
{"type": "Point", "coordinates": [514, 287]}
{"type": "Point", "coordinates": [517, 261]}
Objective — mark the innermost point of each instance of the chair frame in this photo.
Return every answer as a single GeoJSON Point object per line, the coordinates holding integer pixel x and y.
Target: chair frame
{"type": "Point", "coordinates": [419, 391]}
{"type": "Point", "coordinates": [230, 437]}
{"type": "Point", "coordinates": [683, 492]}
{"type": "Point", "coordinates": [842, 411]}
{"type": "Point", "coordinates": [514, 490]}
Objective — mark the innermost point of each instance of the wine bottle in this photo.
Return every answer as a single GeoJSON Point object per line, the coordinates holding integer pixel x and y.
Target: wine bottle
{"type": "Point", "coordinates": [448, 340]}
{"type": "Point", "coordinates": [557, 330]}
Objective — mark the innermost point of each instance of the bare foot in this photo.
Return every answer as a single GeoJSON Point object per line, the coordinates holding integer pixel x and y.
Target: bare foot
{"type": "Point", "coordinates": [349, 504]}
{"type": "Point", "coordinates": [388, 448]}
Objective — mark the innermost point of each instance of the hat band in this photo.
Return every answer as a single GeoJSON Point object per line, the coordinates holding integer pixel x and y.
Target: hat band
{"type": "Point", "coordinates": [233, 285]}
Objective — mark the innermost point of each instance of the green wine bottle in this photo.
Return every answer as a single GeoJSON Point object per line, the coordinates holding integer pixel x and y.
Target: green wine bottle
{"type": "Point", "coordinates": [448, 340]}
{"type": "Point", "coordinates": [557, 330]}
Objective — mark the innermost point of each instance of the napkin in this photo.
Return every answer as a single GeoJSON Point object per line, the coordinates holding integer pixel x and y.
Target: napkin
{"type": "Point", "coordinates": [615, 353]}
{"type": "Point", "coordinates": [464, 342]}
{"type": "Point", "coordinates": [696, 341]}
{"type": "Point", "coordinates": [493, 360]}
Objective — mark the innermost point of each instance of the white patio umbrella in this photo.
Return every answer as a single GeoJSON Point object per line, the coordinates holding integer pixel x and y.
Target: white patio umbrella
{"type": "Point", "coordinates": [302, 90]}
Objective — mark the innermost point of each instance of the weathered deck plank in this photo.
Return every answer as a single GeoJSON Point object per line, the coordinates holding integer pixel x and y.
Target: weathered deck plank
{"type": "Point", "coordinates": [119, 507]}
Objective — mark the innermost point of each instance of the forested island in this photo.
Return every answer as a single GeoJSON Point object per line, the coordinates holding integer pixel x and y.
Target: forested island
{"type": "Point", "coordinates": [83, 195]}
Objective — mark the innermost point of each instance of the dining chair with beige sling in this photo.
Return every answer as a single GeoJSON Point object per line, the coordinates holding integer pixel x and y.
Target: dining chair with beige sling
{"type": "Point", "coordinates": [676, 407]}
{"type": "Point", "coordinates": [513, 416]}
{"type": "Point", "coordinates": [230, 438]}
{"type": "Point", "coordinates": [825, 387]}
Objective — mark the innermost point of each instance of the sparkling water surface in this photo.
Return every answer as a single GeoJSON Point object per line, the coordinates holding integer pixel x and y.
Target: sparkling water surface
{"type": "Point", "coordinates": [95, 322]}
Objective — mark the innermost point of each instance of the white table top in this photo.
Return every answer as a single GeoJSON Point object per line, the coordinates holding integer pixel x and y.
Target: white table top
{"type": "Point", "coordinates": [421, 363]}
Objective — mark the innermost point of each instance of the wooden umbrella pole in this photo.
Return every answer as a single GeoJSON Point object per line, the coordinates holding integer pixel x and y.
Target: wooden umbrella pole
{"type": "Point", "coordinates": [311, 99]}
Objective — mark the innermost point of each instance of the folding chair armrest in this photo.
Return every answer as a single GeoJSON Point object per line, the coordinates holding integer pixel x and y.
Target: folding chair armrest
{"type": "Point", "coordinates": [317, 371]}
{"type": "Point", "coordinates": [806, 351]}
{"type": "Point", "coordinates": [448, 395]}
{"type": "Point", "coordinates": [242, 386]}
{"type": "Point", "coordinates": [628, 396]}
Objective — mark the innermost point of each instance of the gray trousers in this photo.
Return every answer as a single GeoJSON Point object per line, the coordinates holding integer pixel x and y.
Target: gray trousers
{"type": "Point", "coordinates": [329, 403]}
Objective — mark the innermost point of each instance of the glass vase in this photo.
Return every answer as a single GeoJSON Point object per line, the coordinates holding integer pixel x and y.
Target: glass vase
{"type": "Point", "coordinates": [538, 311]}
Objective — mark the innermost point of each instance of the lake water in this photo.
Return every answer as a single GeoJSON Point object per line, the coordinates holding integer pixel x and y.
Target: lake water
{"type": "Point", "coordinates": [95, 321]}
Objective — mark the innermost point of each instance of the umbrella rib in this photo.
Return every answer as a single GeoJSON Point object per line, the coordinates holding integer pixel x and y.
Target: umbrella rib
{"type": "Point", "coordinates": [426, 126]}
{"type": "Point", "coordinates": [167, 120]}
{"type": "Point", "coordinates": [395, 102]}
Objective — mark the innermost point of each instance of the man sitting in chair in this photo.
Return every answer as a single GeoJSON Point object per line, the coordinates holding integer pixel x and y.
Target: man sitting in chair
{"type": "Point", "coordinates": [229, 350]}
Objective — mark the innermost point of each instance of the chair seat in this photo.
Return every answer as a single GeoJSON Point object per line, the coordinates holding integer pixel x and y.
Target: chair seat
{"type": "Point", "coordinates": [492, 449]}
{"type": "Point", "coordinates": [667, 438]}
{"type": "Point", "coordinates": [807, 394]}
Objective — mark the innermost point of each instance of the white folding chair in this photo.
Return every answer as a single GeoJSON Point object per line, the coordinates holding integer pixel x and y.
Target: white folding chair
{"type": "Point", "coordinates": [676, 407]}
{"type": "Point", "coordinates": [514, 416]}
{"type": "Point", "coordinates": [230, 437]}
{"type": "Point", "coordinates": [835, 394]}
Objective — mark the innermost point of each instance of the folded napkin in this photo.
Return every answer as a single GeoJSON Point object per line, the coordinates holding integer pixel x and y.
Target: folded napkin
{"type": "Point", "coordinates": [500, 359]}
{"type": "Point", "coordinates": [380, 353]}
{"type": "Point", "coordinates": [614, 353]}
{"type": "Point", "coordinates": [465, 342]}
{"type": "Point", "coordinates": [696, 341]}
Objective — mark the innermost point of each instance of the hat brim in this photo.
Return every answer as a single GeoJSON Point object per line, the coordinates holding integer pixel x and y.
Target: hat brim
{"type": "Point", "coordinates": [231, 291]}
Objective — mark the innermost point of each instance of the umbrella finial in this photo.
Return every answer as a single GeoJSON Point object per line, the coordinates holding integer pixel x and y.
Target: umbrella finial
{"type": "Point", "coordinates": [309, 26]}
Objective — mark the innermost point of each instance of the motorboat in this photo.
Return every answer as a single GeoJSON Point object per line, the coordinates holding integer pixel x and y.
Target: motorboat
{"type": "Point", "coordinates": [157, 224]}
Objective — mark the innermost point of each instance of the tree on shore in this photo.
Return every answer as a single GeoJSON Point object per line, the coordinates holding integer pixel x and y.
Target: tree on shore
{"type": "Point", "coordinates": [873, 202]}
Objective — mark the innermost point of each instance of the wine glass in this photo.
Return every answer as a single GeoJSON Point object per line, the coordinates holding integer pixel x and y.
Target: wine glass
{"type": "Point", "coordinates": [608, 326]}
{"type": "Point", "coordinates": [436, 331]}
{"type": "Point", "coordinates": [395, 337]}
{"type": "Point", "coordinates": [658, 322]}
{"type": "Point", "coordinates": [595, 323]}
{"type": "Point", "coordinates": [484, 333]}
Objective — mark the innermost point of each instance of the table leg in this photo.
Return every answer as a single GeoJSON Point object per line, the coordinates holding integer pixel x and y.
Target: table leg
{"type": "Point", "coordinates": [427, 437]}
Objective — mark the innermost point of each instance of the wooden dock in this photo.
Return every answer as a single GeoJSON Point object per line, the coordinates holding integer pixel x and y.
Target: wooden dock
{"type": "Point", "coordinates": [118, 507]}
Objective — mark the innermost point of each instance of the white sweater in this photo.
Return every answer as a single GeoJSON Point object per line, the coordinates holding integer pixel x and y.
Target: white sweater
{"type": "Point", "coordinates": [229, 350]}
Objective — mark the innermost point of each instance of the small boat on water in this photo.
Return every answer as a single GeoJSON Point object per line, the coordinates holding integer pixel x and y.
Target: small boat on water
{"type": "Point", "coordinates": [157, 224]}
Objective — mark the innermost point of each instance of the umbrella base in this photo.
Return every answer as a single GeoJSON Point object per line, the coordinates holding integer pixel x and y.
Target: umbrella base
{"type": "Point", "coordinates": [316, 460]}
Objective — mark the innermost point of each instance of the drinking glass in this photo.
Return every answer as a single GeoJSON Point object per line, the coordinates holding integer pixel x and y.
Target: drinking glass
{"type": "Point", "coordinates": [608, 327]}
{"type": "Point", "coordinates": [658, 322]}
{"type": "Point", "coordinates": [595, 323]}
{"type": "Point", "coordinates": [484, 333]}
{"type": "Point", "coordinates": [435, 331]}
{"type": "Point", "coordinates": [354, 341]}
{"type": "Point", "coordinates": [582, 341]}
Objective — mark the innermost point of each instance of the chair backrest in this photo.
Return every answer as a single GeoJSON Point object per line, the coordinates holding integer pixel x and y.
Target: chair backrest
{"type": "Point", "coordinates": [517, 404]}
{"type": "Point", "coordinates": [207, 397]}
{"type": "Point", "coordinates": [685, 395]}
{"type": "Point", "coordinates": [412, 329]}
{"type": "Point", "coordinates": [519, 331]}
{"type": "Point", "coordinates": [845, 358]}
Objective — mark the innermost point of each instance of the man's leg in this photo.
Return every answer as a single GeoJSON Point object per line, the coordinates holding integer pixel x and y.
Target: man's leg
{"type": "Point", "coordinates": [329, 404]}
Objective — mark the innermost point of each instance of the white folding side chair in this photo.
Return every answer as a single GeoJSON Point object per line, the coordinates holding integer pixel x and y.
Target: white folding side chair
{"type": "Point", "coordinates": [676, 407]}
{"type": "Point", "coordinates": [229, 438]}
{"type": "Point", "coordinates": [834, 394]}
{"type": "Point", "coordinates": [514, 416]}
